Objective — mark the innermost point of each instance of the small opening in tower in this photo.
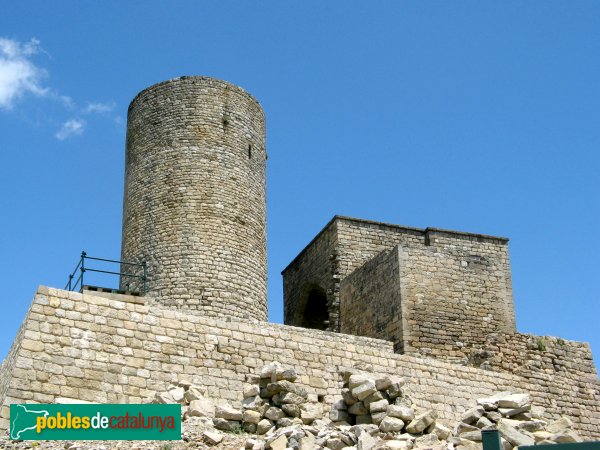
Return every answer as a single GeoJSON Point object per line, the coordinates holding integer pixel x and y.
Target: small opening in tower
{"type": "Point", "coordinates": [249, 150]}
{"type": "Point", "coordinates": [316, 315]}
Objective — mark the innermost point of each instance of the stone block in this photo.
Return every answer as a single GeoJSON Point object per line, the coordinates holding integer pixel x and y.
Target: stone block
{"type": "Point", "coordinates": [420, 422]}
{"type": "Point", "coordinates": [391, 425]}
{"type": "Point", "coordinates": [514, 436]}
{"type": "Point", "coordinates": [363, 390]}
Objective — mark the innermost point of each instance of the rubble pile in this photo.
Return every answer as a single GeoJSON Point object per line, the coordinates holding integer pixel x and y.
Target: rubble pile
{"type": "Point", "coordinates": [274, 400]}
{"type": "Point", "coordinates": [382, 402]}
{"type": "Point", "coordinates": [364, 427]}
{"type": "Point", "coordinates": [192, 399]}
{"type": "Point", "coordinates": [373, 413]}
{"type": "Point", "coordinates": [518, 421]}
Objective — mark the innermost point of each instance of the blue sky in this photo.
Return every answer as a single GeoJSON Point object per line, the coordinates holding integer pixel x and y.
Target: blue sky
{"type": "Point", "coordinates": [474, 115]}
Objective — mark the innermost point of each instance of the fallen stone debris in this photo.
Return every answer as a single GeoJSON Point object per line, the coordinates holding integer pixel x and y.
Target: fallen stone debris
{"type": "Point", "coordinates": [373, 413]}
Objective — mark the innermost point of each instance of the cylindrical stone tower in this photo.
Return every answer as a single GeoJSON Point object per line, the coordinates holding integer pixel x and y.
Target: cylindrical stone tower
{"type": "Point", "coordinates": [194, 206]}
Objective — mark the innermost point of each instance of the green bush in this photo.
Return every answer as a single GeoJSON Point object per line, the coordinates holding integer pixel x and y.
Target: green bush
{"type": "Point", "coordinates": [541, 345]}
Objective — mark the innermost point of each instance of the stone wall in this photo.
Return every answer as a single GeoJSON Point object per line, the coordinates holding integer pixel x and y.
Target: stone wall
{"type": "Point", "coordinates": [568, 365]}
{"type": "Point", "coordinates": [100, 349]}
{"type": "Point", "coordinates": [314, 267]}
{"type": "Point", "coordinates": [194, 206]}
{"type": "Point", "coordinates": [456, 287]}
{"type": "Point", "coordinates": [7, 367]}
{"type": "Point", "coordinates": [372, 304]}
{"type": "Point", "coordinates": [451, 298]}
{"type": "Point", "coordinates": [424, 300]}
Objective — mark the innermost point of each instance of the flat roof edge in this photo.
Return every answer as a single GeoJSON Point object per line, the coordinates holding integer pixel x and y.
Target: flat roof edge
{"type": "Point", "coordinates": [423, 231]}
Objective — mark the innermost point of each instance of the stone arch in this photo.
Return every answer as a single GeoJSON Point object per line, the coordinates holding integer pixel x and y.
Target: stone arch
{"type": "Point", "coordinates": [315, 314]}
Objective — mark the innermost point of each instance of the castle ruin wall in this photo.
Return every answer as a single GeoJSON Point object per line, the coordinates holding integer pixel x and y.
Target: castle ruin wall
{"type": "Point", "coordinates": [372, 303]}
{"type": "Point", "coordinates": [456, 287]}
{"type": "Point", "coordinates": [99, 349]}
{"type": "Point", "coordinates": [8, 366]}
{"type": "Point", "coordinates": [316, 267]}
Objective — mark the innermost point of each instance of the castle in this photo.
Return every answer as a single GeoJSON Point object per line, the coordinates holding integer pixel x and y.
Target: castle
{"type": "Point", "coordinates": [430, 304]}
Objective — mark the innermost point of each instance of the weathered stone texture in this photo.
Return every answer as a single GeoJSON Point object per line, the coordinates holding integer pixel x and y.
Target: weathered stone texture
{"type": "Point", "coordinates": [451, 297]}
{"type": "Point", "coordinates": [372, 303]}
{"type": "Point", "coordinates": [194, 206]}
{"type": "Point", "coordinates": [315, 268]}
{"type": "Point", "coordinates": [566, 366]}
{"type": "Point", "coordinates": [7, 368]}
{"type": "Point", "coordinates": [125, 352]}
{"type": "Point", "coordinates": [528, 354]}
{"type": "Point", "coordinates": [452, 288]}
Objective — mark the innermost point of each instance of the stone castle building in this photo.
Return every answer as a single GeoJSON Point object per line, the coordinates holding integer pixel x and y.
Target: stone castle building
{"type": "Point", "coordinates": [434, 292]}
{"type": "Point", "coordinates": [194, 206]}
{"type": "Point", "coordinates": [433, 305]}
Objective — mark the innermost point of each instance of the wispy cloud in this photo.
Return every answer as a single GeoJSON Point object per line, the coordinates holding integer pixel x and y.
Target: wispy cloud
{"type": "Point", "coordinates": [18, 74]}
{"type": "Point", "coordinates": [72, 127]}
{"type": "Point", "coordinates": [98, 108]}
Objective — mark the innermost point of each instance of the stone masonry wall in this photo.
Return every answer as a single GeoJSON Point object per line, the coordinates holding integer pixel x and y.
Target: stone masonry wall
{"type": "Point", "coordinates": [567, 364]}
{"type": "Point", "coordinates": [461, 269]}
{"type": "Point", "coordinates": [456, 287]}
{"type": "Point", "coordinates": [437, 303]}
{"type": "Point", "coordinates": [450, 299]}
{"type": "Point", "coordinates": [194, 206]}
{"type": "Point", "coordinates": [316, 267]}
{"type": "Point", "coordinates": [527, 354]}
{"type": "Point", "coordinates": [372, 305]}
{"type": "Point", "coordinates": [8, 365]}
{"type": "Point", "coordinates": [100, 349]}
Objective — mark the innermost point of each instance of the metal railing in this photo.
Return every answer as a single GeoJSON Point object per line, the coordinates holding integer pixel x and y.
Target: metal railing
{"type": "Point", "coordinates": [82, 268]}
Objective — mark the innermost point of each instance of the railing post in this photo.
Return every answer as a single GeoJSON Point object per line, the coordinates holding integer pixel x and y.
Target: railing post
{"type": "Point", "coordinates": [70, 281]}
{"type": "Point", "coordinates": [83, 255]}
{"type": "Point", "coordinates": [145, 276]}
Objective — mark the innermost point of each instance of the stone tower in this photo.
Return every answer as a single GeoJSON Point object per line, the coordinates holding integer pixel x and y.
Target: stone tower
{"type": "Point", "coordinates": [194, 205]}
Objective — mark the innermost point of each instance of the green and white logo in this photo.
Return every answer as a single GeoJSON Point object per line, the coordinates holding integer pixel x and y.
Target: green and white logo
{"type": "Point", "coordinates": [95, 422]}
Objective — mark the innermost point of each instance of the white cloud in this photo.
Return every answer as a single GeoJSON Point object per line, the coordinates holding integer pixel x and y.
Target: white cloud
{"type": "Point", "coordinates": [72, 127]}
{"type": "Point", "coordinates": [18, 74]}
{"type": "Point", "coordinates": [66, 101]}
{"type": "Point", "coordinates": [21, 76]}
{"type": "Point", "coordinates": [98, 108]}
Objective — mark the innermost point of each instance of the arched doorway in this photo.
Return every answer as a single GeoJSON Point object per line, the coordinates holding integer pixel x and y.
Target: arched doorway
{"type": "Point", "coordinates": [315, 314]}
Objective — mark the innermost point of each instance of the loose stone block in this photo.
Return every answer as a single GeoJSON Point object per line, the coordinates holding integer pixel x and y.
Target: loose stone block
{"type": "Point", "coordinates": [274, 413]}
{"type": "Point", "coordinates": [201, 408]}
{"type": "Point", "coordinates": [251, 416]}
{"type": "Point", "coordinates": [514, 436]}
{"type": "Point", "coordinates": [391, 425]}
{"type": "Point", "coordinates": [513, 401]}
{"type": "Point", "coordinates": [211, 437]}
{"type": "Point", "coordinates": [379, 406]}
{"type": "Point", "coordinates": [311, 412]}
{"type": "Point", "coordinates": [263, 426]}
{"type": "Point", "coordinates": [225, 425]}
{"type": "Point", "coordinates": [363, 390]}
{"type": "Point", "coordinates": [420, 422]}
{"type": "Point", "coordinates": [401, 412]}
{"type": "Point", "coordinates": [472, 415]}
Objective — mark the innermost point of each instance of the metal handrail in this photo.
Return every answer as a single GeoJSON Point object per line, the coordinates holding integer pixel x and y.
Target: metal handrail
{"type": "Point", "coordinates": [82, 269]}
